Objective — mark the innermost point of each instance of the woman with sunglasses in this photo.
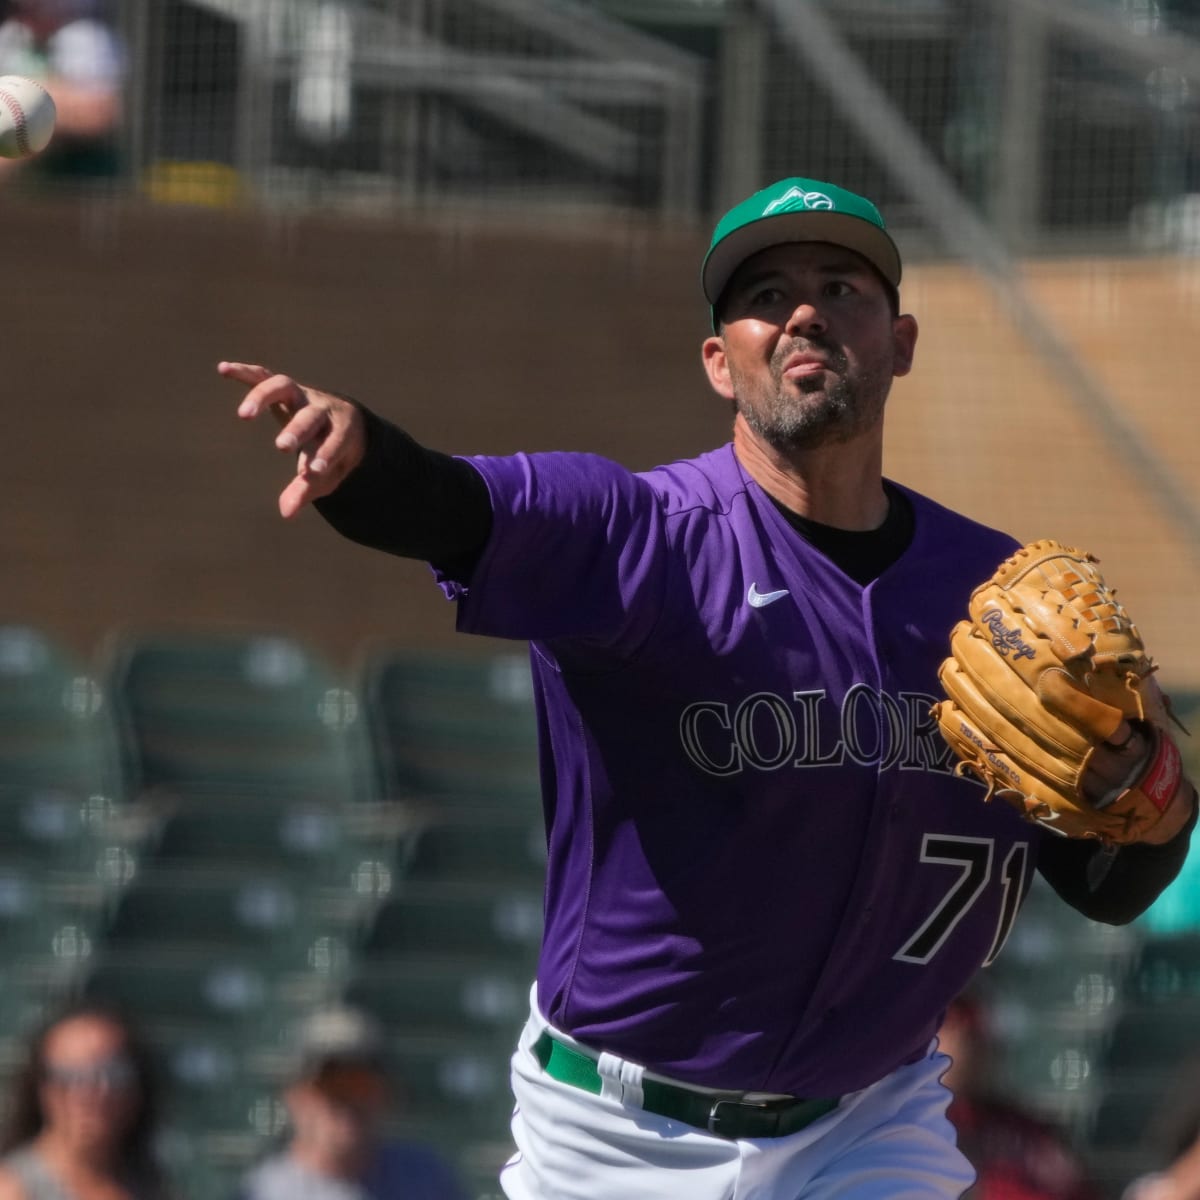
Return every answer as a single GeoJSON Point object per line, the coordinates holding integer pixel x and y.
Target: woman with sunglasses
{"type": "Point", "coordinates": [81, 1114]}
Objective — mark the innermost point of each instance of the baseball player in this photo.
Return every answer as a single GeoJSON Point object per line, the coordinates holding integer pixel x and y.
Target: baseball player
{"type": "Point", "coordinates": [766, 881]}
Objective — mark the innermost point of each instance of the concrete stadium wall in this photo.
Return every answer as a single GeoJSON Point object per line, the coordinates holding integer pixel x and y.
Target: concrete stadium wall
{"type": "Point", "coordinates": [136, 498]}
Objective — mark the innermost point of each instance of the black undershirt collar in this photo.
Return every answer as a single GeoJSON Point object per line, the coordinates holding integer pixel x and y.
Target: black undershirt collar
{"type": "Point", "coordinates": [863, 555]}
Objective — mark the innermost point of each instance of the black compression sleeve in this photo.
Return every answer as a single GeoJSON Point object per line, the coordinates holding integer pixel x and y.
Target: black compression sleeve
{"type": "Point", "coordinates": [1112, 887]}
{"type": "Point", "coordinates": [410, 501]}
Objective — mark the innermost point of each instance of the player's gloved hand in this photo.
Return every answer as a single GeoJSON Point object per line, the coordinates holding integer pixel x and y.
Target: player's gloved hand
{"type": "Point", "coordinates": [325, 431]}
{"type": "Point", "coordinates": [1050, 702]}
{"type": "Point", "coordinates": [1126, 758]}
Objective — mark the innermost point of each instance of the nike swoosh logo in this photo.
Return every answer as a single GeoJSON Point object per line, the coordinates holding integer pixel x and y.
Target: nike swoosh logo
{"type": "Point", "coordinates": [759, 599]}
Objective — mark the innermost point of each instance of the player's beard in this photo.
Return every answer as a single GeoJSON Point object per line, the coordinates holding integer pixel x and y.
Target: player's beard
{"type": "Point", "coordinates": [823, 413]}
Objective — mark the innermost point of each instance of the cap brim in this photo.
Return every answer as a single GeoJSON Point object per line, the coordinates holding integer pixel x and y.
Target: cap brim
{"type": "Point", "coordinates": [839, 229]}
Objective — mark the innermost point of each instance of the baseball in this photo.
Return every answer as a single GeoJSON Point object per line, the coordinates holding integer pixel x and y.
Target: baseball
{"type": "Point", "coordinates": [26, 117]}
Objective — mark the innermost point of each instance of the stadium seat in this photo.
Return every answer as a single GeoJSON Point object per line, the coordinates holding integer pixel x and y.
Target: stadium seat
{"type": "Point", "coordinates": [251, 912]}
{"type": "Point", "coordinates": [243, 712]}
{"type": "Point", "coordinates": [1054, 1066]}
{"type": "Point", "coordinates": [455, 1082]}
{"type": "Point", "coordinates": [1154, 1037]}
{"type": "Point", "coordinates": [47, 929]}
{"type": "Point", "coordinates": [452, 726]}
{"type": "Point", "coordinates": [195, 1171]}
{"type": "Point", "coordinates": [498, 924]}
{"type": "Point", "coordinates": [1167, 970]}
{"type": "Point", "coordinates": [55, 729]}
{"type": "Point", "coordinates": [1126, 1107]}
{"type": "Point", "coordinates": [209, 1086]}
{"type": "Point", "coordinates": [220, 1112]}
{"type": "Point", "coordinates": [1085, 985]}
{"type": "Point", "coordinates": [494, 847]}
{"type": "Point", "coordinates": [167, 988]}
{"type": "Point", "coordinates": [314, 840]}
{"type": "Point", "coordinates": [435, 997]}
{"type": "Point", "coordinates": [23, 1004]}
{"type": "Point", "coordinates": [49, 827]}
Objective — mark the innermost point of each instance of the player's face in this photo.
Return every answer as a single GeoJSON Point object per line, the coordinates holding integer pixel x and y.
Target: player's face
{"type": "Point", "coordinates": [809, 345]}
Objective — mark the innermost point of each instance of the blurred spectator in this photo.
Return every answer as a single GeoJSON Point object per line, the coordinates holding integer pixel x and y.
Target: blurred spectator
{"type": "Point", "coordinates": [69, 48]}
{"type": "Point", "coordinates": [1017, 1156]}
{"type": "Point", "coordinates": [81, 1116]}
{"type": "Point", "coordinates": [338, 1100]}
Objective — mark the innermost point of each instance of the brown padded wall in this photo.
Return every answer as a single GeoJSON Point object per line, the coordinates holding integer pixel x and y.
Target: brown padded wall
{"type": "Point", "coordinates": [136, 497]}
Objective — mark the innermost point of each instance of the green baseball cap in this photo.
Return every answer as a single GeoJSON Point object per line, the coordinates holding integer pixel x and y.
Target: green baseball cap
{"type": "Point", "coordinates": [797, 210]}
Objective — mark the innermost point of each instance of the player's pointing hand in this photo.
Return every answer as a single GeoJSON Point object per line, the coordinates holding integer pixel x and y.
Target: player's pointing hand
{"type": "Point", "coordinates": [324, 430]}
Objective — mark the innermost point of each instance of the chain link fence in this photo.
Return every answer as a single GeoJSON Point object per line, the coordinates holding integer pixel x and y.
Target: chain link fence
{"type": "Point", "coordinates": [1070, 126]}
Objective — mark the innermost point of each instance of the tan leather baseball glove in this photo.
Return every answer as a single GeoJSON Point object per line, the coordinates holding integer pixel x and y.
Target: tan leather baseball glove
{"type": "Point", "coordinates": [1047, 680]}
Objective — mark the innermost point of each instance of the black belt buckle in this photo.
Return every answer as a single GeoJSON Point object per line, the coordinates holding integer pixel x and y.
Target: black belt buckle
{"type": "Point", "coordinates": [746, 1118]}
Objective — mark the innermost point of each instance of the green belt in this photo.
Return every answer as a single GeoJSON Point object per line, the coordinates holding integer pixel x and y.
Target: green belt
{"type": "Point", "coordinates": [729, 1115]}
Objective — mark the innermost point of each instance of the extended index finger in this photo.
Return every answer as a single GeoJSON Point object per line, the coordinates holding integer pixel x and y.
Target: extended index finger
{"type": "Point", "coordinates": [250, 373]}
{"type": "Point", "coordinates": [253, 375]}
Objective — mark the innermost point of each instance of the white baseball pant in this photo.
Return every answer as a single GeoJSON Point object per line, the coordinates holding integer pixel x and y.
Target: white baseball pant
{"type": "Point", "coordinates": [890, 1141]}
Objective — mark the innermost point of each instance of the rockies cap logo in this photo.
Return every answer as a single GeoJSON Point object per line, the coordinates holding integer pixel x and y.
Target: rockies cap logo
{"type": "Point", "coordinates": [795, 199]}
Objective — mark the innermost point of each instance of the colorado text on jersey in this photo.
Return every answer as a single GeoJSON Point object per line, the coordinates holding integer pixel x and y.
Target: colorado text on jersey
{"type": "Point", "coordinates": [768, 732]}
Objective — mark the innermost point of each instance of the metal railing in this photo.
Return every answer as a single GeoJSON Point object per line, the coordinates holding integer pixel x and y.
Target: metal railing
{"type": "Point", "coordinates": [529, 100]}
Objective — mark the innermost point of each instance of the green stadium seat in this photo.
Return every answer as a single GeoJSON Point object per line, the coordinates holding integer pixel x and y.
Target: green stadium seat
{"type": "Point", "coordinates": [208, 1085]}
{"type": "Point", "coordinates": [55, 729]}
{"type": "Point", "coordinates": [493, 847]}
{"type": "Point", "coordinates": [319, 842]}
{"type": "Point", "coordinates": [453, 726]}
{"type": "Point", "coordinates": [1126, 1108]}
{"type": "Point", "coordinates": [1167, 970]}
{"type": "Point", "coordinates": [1154, 1037]}
{"type": "Point", "coordinates": [457, 1083]}
{"type": "Point", "coordinates": [436, 997]}
{"type": "Point", "coordinates": [167, 989]}
{"type": "Point", "coordinates": [49, 827]}
{"type": "Point", "coordinates": [454, 920]}
{"type": "Point", "coordinates": [46, 929]}
{"type": "Point", "coordinates": [1083, 990]}
{"type": "Point", "coordinates": [242, 912]}
{"type": "Point", "coordinates": [242, 712]}
{"type": "Point", "coordinates": [194, 1170]}
{"type": "Point", "coordinates": [1061, 967]}
{"type": "Point", "coordinates": [220, 1114]}
{"type": "Point", "coordinates": [1058, 1069]}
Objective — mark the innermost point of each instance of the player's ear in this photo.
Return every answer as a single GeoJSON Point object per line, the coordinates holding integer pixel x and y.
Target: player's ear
{"type": "Point", "coordinates": [716, 366]}
{"type": "Point", "coordinates": [904, 343]}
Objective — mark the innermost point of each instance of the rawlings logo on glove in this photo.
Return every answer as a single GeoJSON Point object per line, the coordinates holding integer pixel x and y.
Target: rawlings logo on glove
{"type": "Point", "coordinates": [1051, 700]}
{"type": "Point", "coordinates": [1006, 639]}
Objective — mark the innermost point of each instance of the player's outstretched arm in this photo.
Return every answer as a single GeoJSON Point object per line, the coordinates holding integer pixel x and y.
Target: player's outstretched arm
{"type": "Point", "coordinates": [371, 481]}
{"type": "Point", "coordinates": [324, 430]}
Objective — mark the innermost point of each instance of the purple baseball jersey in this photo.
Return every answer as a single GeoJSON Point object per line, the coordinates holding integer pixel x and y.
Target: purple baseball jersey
{"type": "Point", "coordinates": [763, 873]}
